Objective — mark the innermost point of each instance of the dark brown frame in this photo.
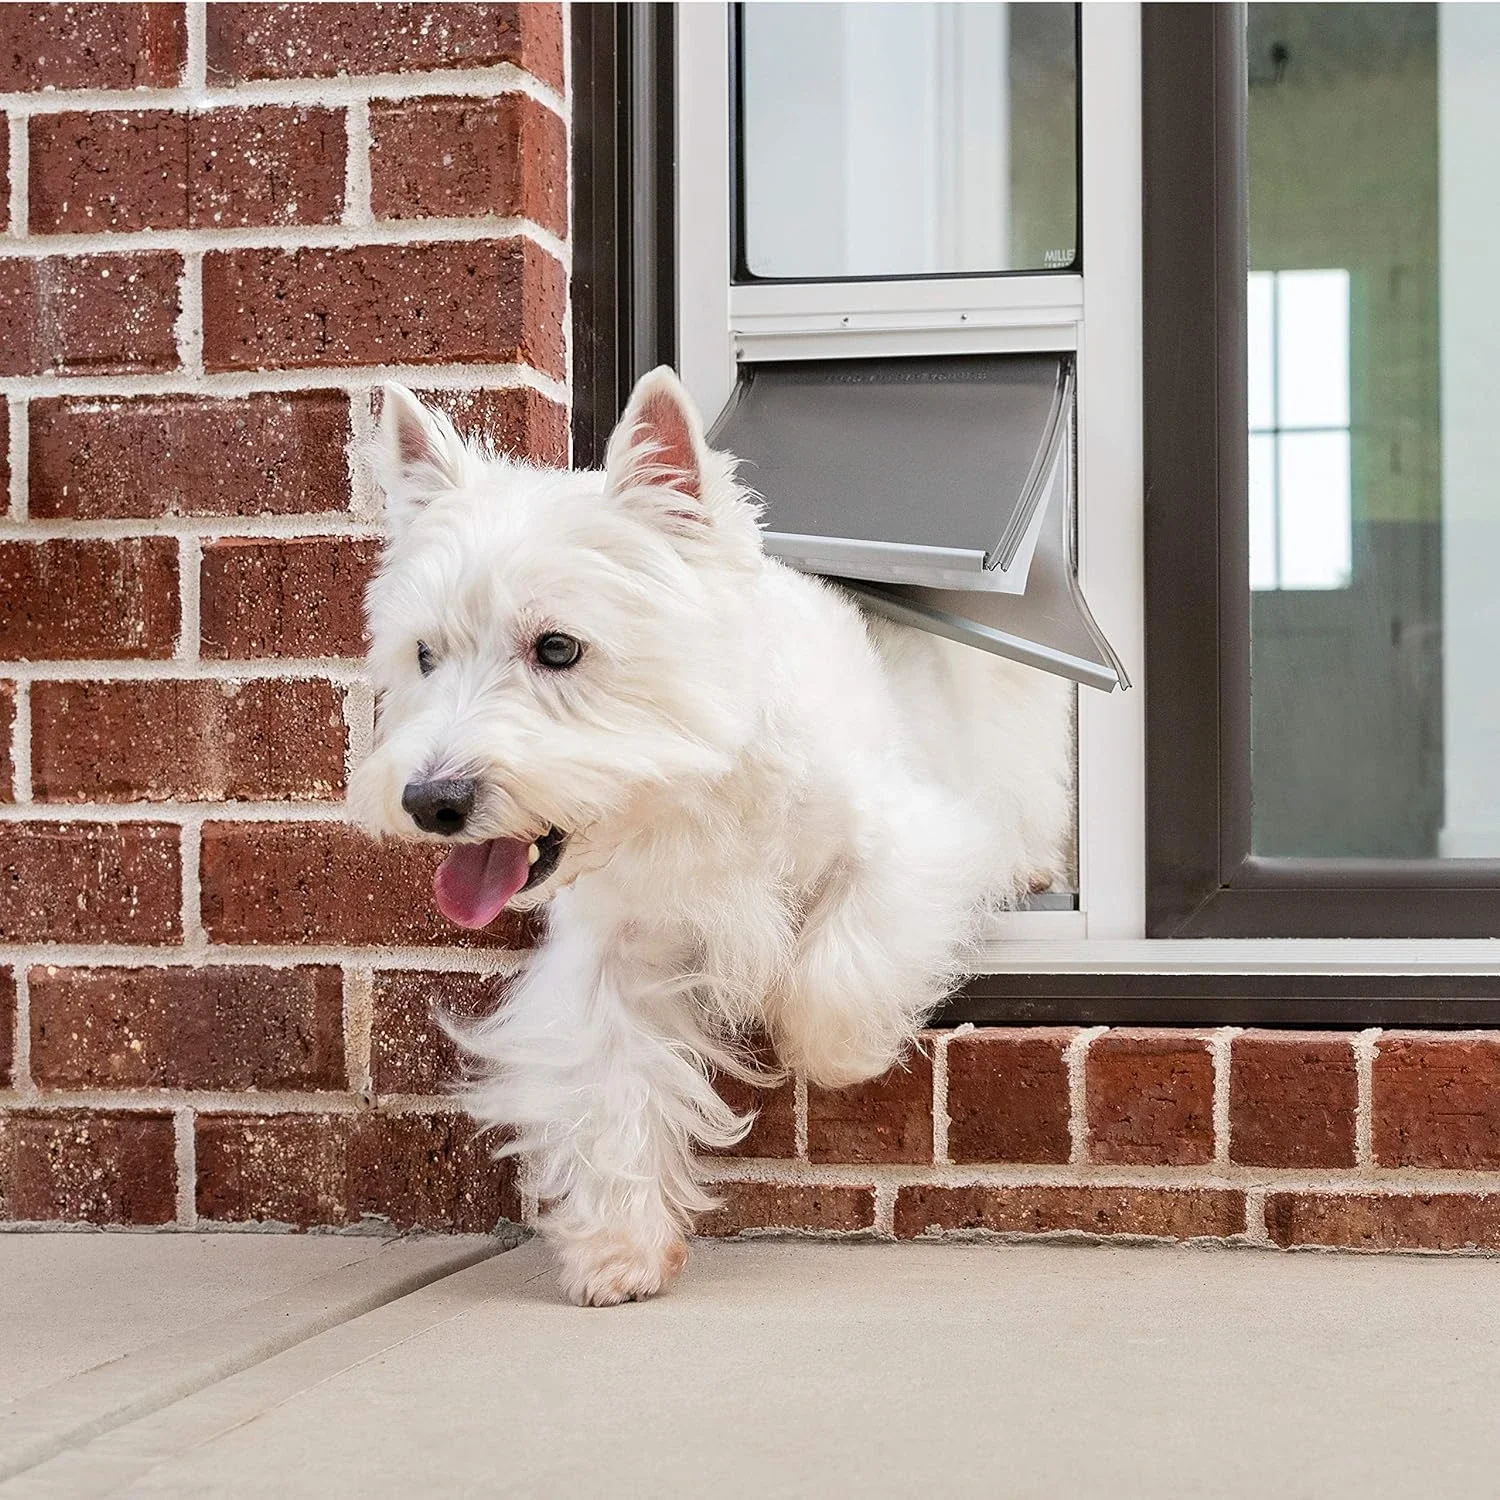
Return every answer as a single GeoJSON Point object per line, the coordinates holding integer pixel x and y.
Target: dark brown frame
{"type": "Point", "coordinates": [1202, 879]}
{"type": "Point", "coordinates": [624, 210]}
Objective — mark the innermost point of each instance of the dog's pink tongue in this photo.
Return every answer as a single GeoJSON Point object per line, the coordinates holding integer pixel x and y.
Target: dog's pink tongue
{"type": "Point", "coordinates": [476, 880]}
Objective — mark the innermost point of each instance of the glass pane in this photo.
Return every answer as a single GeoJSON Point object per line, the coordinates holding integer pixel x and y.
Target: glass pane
{"type": "Point", "coordinates": [1312, 489]}
{"type": "Point", "coordinates": [1312, 348]}
{"type": "Point", "coordinates": [1262, 315]}
{"type": "Point", "coordinates": [1374, 132]}
{"type": "Point", "coordinates": [1263, 564]}
{"type": "Point", "coordinates": [907, 139]}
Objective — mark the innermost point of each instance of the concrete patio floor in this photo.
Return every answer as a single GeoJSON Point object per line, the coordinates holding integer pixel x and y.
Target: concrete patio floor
{"type": "Point", "coordinates": [235, 1364]}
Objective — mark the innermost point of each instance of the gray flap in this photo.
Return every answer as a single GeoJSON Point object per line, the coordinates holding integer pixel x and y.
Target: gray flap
{"type": "Point", "coordinates": [900, 470]}
{"type": "Point", "coordinates": [913, 482]}
{"type": "Point", "coordinates": [1049, 626]}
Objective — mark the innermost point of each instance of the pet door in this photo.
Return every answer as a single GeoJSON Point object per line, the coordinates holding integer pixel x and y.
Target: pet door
{"type": "Point", "coordinates": [939, 490]}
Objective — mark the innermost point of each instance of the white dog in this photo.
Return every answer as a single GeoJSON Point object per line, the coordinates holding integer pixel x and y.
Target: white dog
{"type": "Point", "coordinates": [751, 809]}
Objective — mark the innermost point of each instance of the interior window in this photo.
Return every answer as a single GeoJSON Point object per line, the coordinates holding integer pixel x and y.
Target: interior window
{"type": "Point", "coordinates": [1300, 519]}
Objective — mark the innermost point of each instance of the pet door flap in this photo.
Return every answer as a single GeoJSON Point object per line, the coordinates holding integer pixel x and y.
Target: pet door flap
{"type": "Point", "coordinates": [937, 490]}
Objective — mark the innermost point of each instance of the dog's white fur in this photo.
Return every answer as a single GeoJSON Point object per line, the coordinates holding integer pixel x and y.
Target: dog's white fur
{"type": "Point", "coordinates": [784, 818]}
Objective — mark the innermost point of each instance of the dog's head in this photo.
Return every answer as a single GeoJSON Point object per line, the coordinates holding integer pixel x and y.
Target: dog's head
{"type": "Point", "coordinates": [551, 650]}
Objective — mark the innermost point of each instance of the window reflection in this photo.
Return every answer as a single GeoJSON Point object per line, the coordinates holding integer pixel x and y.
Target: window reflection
{"type": "Point", "coordinates": [1300, 502]}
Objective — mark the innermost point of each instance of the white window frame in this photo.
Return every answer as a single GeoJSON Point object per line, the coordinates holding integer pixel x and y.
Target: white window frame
{"type": "Point", "coordinates": [719, 324]}
{"type": "Point", "coordinates": [1098, 315]}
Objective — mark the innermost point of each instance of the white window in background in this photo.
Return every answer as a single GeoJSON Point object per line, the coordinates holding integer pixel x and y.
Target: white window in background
{"type": "Point", "coordinates": [1301, 512]}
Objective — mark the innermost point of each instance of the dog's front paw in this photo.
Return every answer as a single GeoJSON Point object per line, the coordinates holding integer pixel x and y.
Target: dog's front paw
{"type": "Point", "coordinates": [611, 1267]}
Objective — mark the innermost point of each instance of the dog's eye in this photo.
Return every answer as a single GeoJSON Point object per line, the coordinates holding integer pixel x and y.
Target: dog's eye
{"type": "Point", "coordinates": [557, 650]}
{"type": "Point", "coordinates": [426, 661]}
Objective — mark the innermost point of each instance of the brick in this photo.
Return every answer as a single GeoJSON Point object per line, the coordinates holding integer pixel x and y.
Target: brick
{"type": "Point", "coordinates": [888, 1119]}
{"type": "Point", "coordinates": [81, 1166]}
{"type": "Point", "coordinates": [103, 457]}
{"type": "Point", "coordinates": [820, 1207]}
{"type": "Point", "coordinates": [91, 46]}
{"type": "Point", "coordinates": [286, 1169]}
{"type": "Point", "coordinates": [105, 600]}
{"type": "Point", "coordinates": [89, 314]}
{"type": "Point", "coordinates": [1292, 1099]}
{"type": "Point", "coordinates": [90, 883]}
{"type": "Point", "coordinates": [409, 1052]}
{"type": "Point", "coordinates": [5, 184]}
{"type": "Point", "coordinates": [327, 883]}
{"type": "Point", "coordinates": [430, 1172]}
{"type": "Point", "coordinates": [469, 158]}
{"type": "Point", "coordinates": [252, 41]}
{"type": "Point", "coordinates": [516, 421]}
{"type": "Point", "coordinates": [268, 165]}
{"type": "Point", "coordinates": [475, 302]}
{"type": "Point", "coordinates": [1386, 1221]}
{"type": "Point", "coordinates": [258, 741]}
{"type": "Point", "coordinates": [412, 1171]}
{"type": "Point", "coordinates": [1008, 1096]}
{"type": "Point", "coordinates": [1154, 1212]}
{"type": "Point", "coordinates": [1150, 1098]}
{"type": "Point", "coordinates": [211, 1028]}
{"type": "Point", "coordinates": [7, 1025]}
{"type": "Point", "coordinates": [7, 734]}
{"type": "Point", "coordinates": [93, 170]}
{"type": "Point", "coordinates": [1437, 1102]}
{"type": "Point", "coordinates": [288, 599]}
{"type": "Point", "coordinates": [774, 1133]}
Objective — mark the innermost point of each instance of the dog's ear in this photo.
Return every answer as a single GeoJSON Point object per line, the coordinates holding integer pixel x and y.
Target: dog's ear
{"type": "Point", "coordinates": [658, 448]}
{"type": "Point", "coordinates": [418, 454]}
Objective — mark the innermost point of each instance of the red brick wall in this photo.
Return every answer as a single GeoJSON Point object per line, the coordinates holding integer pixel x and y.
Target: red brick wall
{"type": "Point", "coordinates": [1371, 1140]}
{"type": "Point", "coordinates": [222, 225]}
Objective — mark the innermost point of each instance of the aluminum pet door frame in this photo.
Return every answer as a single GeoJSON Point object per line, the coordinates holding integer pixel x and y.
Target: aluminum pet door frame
{"type": "Point", "coordinates": [939, 490]}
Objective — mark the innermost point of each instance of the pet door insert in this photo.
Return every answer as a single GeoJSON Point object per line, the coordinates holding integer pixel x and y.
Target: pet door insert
{"type": "Point", "coordinates": [939, 490]}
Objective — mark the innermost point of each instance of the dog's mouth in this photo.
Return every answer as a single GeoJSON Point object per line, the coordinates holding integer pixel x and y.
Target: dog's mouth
{"type": "Point", "coordinates": [478, 881]}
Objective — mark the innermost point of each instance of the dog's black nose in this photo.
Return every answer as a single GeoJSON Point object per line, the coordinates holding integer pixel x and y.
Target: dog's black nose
{"type": "Point", "coordinates": [439, 806]}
